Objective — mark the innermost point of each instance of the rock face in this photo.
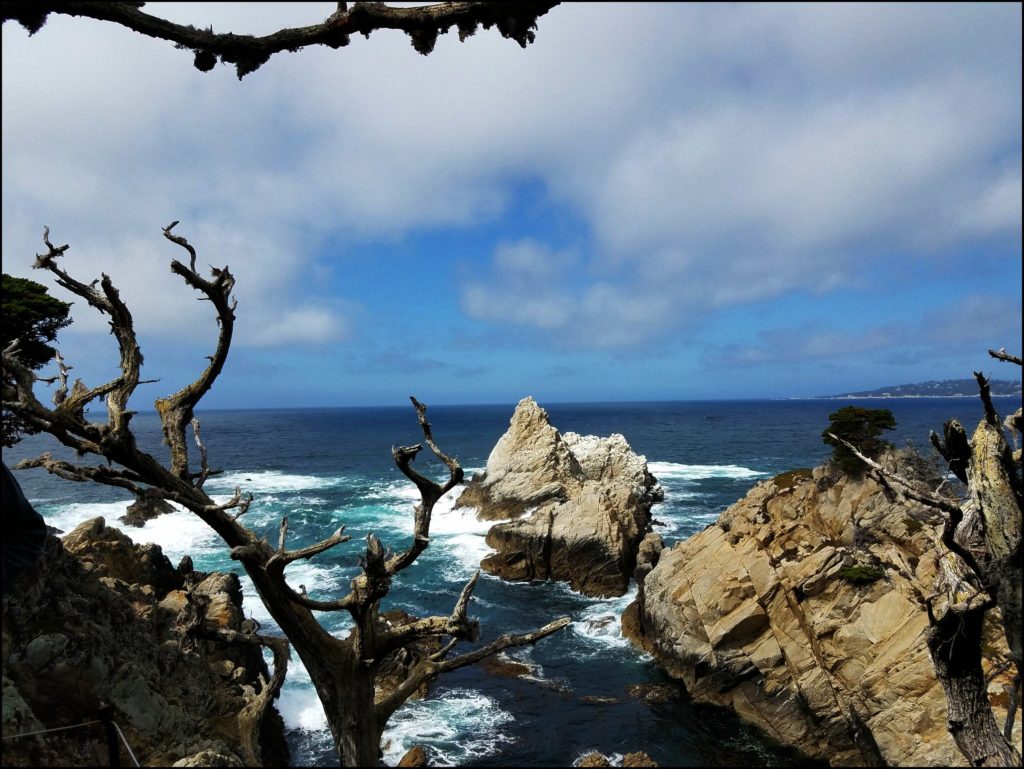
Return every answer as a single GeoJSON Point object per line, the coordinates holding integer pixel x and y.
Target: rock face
{"type": "Point", "coordinates": [103, 620]}
{"type": "Point", "coordinates": [758, 613]}
{"type": "Point", "coordinates": [579, 505]}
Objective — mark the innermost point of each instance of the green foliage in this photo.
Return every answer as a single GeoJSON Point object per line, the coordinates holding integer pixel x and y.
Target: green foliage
{"type": "Point", "coordinates": [861, 574]}
{"type": "Point", "coordinates": [861, 427]}
{"type": "Point", "coordinates": [913, 525]}
{"type": "Point", "coordinates": [791, 478]}
{"type": "Point", "coordinates": [33, 317]}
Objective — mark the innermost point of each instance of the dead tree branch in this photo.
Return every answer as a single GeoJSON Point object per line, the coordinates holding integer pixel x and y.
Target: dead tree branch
{"type": "Point", "coordinates": [250, 717]}
{"type": "Point", "coordinates": [431, 667]}
{"type": "Point", "coordinates": [513, 20]}
{"type": "Point", "coordinates": [1002, 354]}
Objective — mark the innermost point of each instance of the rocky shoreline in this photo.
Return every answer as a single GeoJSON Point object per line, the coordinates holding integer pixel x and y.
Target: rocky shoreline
{"type": "Point", "coordinates": [802, 609]}
{"type": "Point", "coordinates": [100, 620]}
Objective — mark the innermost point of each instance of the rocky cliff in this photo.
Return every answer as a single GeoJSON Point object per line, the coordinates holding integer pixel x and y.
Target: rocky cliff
{"type": "Point", "coordinates": [803, 610]}
{"type": "Point", "coordinates": [573, 507]}
{"type": "Point", "coordinates": [102, 620]}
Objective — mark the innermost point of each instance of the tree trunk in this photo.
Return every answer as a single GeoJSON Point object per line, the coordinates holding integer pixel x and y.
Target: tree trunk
{"type": "Point", "coordinates": [955, 645]}
{"type": "Point", "coordinates": [359, 733]}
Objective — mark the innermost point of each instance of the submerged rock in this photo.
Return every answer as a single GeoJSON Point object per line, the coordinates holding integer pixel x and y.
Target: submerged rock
{"type": "Point", "coordinates": [575, 508]}
{"type": "Point", "coordinates": [761, 614]}
{"type": "Point", "coordinates": [595, 759]}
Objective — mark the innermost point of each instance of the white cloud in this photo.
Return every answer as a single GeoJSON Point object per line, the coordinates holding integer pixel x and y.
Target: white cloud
{"type": "Point", "coordinates": [309, 325]}
{"type": "Point", "coordinates": [717, 157]}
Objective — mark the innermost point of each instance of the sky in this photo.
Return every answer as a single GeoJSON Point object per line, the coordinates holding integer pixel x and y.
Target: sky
{"type": "Point", "coordinates": [652, 202]}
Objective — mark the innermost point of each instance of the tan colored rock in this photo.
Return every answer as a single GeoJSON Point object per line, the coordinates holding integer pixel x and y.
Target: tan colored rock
{"type": "Point", "coordinates": [415, 756]}
{"type": "Point", "coordinates": [638, 759]}
{"type": "Point", "coordinates": [753, 614]}
{"type": "Point", "coordinates": [575, 508]}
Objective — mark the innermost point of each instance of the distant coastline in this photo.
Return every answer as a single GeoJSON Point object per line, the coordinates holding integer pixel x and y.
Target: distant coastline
{"type": "Point", "coordinates": [948, 388]}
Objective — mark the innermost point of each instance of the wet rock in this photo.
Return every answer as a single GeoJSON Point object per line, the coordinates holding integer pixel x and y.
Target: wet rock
{"type": "Point", "coordinates": [502, 665]}
{"type": "Point", "coordinates": [415, 756]}
{"type": "Point", "coordinates": [210, 758]}
{"type": "Point", "coordinates": [638, 759]}
{"type": "Point", "coordinates": [147, 505]}
{"type": "Point", "coordinates": [654, 693]}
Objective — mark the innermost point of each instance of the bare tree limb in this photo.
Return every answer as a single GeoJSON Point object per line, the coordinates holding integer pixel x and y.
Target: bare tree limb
{"type": "Point", "coordinates": [514, 20]}
{"type": "Point", "coordinates": [457, 625]}
{"type": "Point", "coordinates": [907, 487]}
{"type": "Point", "coordinates": [430, 491]}
{"type": "Point", "coordinates": [344, 670]}
{"type": "Point", "coordinates": [176, 410]}
{"type": "Point", "coordinates": [428, 668]}
{"type": "Point", "coordinates": [1002, 354]}
{"type": "Point", "coordinates": [986, 398]}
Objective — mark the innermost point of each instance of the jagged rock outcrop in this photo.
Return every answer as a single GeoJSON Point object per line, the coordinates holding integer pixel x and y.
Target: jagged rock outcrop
{"type": "Point", "coordinates": [148, 505]}
{"type": "Point", "coordinates": [594, 759]}
{"type": "Point", "coordinates": [579, 505]}
{"type": "Point", "coordinates": [102, 620]}
{"type": "Point", "coordinates": [762, 613]}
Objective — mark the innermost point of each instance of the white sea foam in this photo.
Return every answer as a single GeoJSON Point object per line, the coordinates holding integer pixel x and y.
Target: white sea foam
{"type": "Point", "coordinates": [459, 726]}
{"type": "Point", "coordinates": [271, 481]}
{"type": "Point", "coordinates": [674, 471]}
{"type": "Point", "coordinates": [599, 623]}
{"type": "Point", "coordinates": [178, 533]}
{"type": "Point", "coordinates": [300, 706]}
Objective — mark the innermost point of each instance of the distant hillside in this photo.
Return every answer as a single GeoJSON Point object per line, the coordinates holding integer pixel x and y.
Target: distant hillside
{"type": "Point", "coordinates": [948, 388]}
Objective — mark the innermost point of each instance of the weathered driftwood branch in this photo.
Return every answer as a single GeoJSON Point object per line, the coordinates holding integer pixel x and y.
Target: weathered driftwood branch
{"type": "Point", "coordinates": [514, 20]}
{"type": "Point", "coordinates": [955, 449]}
{"type": "Point", "coordinates": [457, 625]}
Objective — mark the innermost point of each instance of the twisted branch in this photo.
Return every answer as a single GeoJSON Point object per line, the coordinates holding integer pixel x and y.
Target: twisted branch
{"type": "Point", "coordinates": [176, 410]}
{"type": "Point", "coordinates": [514, 20]}
{"type": "Point", "coordinates": [430, 491]}
{"type": "Point", "coordinates": [429, 667]}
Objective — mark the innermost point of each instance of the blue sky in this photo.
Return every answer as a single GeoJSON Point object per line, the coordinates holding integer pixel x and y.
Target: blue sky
{"type": "Point", "coordinates": [652, 202]}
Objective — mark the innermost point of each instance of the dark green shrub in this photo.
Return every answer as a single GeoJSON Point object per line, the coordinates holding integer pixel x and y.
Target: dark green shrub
{"type": "Point", "coordinates": [861, 574]}
{"type": "Point", "coordinates": [791, 478]}
{"type": "Point", "coordinates": [861, 427]}
{"type": "Point", "coordinates": [913, 525]}
{"type": "Point", "coordinates": [32, 318]}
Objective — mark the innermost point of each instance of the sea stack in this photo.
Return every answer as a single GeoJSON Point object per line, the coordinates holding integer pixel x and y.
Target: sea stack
{"type": "Point", "coordinates": [572, 507]}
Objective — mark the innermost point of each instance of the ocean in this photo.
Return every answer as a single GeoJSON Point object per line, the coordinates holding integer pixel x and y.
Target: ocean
{"type": "Point", "coordinates": [325, 467]}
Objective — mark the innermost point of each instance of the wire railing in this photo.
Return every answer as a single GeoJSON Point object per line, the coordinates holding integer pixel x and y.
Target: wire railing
{"type": "Point", "coordinates": [110, 727]}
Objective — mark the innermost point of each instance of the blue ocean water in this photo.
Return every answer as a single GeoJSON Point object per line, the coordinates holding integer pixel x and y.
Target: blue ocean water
{"type": "Point", "coordinates": [325, 467]}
